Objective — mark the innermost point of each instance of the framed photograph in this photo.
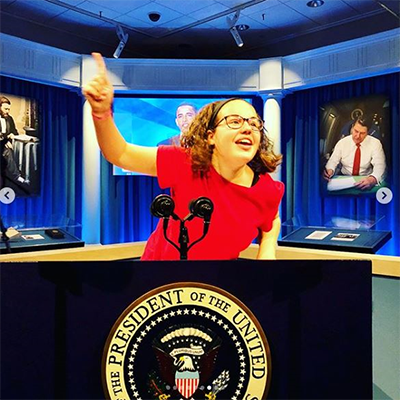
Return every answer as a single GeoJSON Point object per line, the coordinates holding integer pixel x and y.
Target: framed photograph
{"type": "Point", "coordinates": [20, 140]}
{"type": "Point", "coordinates": [355, 138]}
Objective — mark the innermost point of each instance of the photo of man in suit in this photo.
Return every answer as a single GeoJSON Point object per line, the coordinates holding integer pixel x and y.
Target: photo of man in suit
{"type": "Point", "coordinates": [185, 114]}
{"type": "Point", "coordinates": [8, 131]}
{"type": "Point", "coordinates": [358, 154]}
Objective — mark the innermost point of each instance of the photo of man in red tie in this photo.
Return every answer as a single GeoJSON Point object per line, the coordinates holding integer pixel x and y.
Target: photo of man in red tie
{"type": "Point", "coordinates": [358, 154]}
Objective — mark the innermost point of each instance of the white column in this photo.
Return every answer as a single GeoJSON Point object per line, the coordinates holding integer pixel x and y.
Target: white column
{"type": "Point", "coordinates": [91, 180]}
{"type": "Point", "coordinates": [272, 118]}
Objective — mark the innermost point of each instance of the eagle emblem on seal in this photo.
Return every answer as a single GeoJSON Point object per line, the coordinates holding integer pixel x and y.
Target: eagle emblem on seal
{"type": "Point", "coordinates": [186, 358]}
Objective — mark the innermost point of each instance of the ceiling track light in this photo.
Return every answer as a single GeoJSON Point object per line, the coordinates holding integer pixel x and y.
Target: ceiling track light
{"type": "Point", "coordinates": [123, 39]}
{"type": "Point", "coordinates": [235, 33]}
{"type": "Point", "coordinates": [233, 28]}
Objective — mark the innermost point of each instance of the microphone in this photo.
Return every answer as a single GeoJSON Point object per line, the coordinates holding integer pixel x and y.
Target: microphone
{"type": "Point", "coordinates": [162, 206]}
{"type": "Point", "coordinates": [202, 207]}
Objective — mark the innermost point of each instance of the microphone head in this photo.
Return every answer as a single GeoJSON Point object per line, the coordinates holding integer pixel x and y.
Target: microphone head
{"type": "Point", "coordinates": [162, 206]}
{"type": "Point", "coordinates": [202, 207]}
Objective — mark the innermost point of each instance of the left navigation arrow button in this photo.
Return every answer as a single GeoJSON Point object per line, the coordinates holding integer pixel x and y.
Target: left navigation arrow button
{"type": "Point", "coordinates": [7, 195]}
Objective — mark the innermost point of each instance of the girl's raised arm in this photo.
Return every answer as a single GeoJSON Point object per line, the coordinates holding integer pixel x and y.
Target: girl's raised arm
{"type": "Point", "coordinates": [100, 94]}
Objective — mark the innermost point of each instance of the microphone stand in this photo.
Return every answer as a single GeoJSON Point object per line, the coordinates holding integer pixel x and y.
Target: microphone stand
{"type": "Point", "coordinates": [183, 240]}
{"type": "Point", "coordinates": [183, 235]}
{"type": "Point", "coordinates": [165, 226]}
{"type": "Point", "coordinates": [163, 207]}
{"type": "Point", "coordinates": [205, 230]}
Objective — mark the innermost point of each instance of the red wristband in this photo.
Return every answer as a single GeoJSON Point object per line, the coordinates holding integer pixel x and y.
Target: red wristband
{"type": "Point", "coordinates": [103, 116]}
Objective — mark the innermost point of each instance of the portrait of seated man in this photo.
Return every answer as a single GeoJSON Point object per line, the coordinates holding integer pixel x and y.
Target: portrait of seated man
{"type": "Point", "coordinates": [185, 114]}
{"type": "Point", "coordinates": [8, 131]}
{"type": "Point", "coordinates": [358, 154]}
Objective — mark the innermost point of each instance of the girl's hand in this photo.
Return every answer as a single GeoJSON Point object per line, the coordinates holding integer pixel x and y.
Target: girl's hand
{"type": "Point", "coordinates": [99, 91]}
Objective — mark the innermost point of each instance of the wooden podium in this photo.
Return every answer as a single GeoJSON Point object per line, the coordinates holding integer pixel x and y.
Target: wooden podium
{"type": "Point", "coordinates": [316, 315]}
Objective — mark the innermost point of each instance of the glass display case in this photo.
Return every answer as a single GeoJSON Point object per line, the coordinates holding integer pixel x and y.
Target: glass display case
{"type": "Point", "coordinates": [35, 232]}
{"type": "Point", "coordinates": [335, 232]}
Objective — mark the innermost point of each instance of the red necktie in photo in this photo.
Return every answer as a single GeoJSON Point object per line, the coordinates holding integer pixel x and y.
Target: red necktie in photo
{"type": "Point", "coordinates": [357, 159]}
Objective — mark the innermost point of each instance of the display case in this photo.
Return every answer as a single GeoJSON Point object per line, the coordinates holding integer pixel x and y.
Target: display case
{"type": "Point", "coordinates": [335, 232]}
{"type": "Point", "coordinates": [34, 232]}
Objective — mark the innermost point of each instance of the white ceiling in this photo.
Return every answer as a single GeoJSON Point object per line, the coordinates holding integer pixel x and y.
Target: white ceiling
{"type": "Point", "coordinates": [195, 28]}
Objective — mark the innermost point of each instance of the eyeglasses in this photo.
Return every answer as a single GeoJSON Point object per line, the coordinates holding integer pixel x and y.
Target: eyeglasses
{"type": "Point", "coordinates": [236, 122]}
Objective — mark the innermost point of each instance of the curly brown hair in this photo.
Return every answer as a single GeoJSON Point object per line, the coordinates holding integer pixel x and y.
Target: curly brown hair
{"type": "Point", "coordinates": [195, 140]}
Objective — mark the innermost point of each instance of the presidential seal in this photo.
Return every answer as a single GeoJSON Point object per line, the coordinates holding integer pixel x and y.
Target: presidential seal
{"type": "Point", "coordinates": [186, 341]}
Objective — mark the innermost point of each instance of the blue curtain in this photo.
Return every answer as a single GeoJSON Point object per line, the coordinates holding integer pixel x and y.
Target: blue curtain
{"type": "Point", "coordinates": [125, 206]}
{"type": "Point", "coordinates": [60, 197]}
{"type": "Point", "coordinates": [301, 170]}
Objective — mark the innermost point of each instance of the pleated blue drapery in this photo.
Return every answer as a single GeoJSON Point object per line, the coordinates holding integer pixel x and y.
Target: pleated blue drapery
{"type": "Point", "coordinates": [60, 113]}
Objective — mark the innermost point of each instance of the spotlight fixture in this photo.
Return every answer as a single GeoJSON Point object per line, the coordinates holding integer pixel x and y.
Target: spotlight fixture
{"type": "Point", "coordinates": [315, 3]}
{"type": "Point", "coordinates": [234, 32]}
{"type": "Point", "coordinates": [123, 38]}
{"type": "Point", "coordinates": [233, 29]}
